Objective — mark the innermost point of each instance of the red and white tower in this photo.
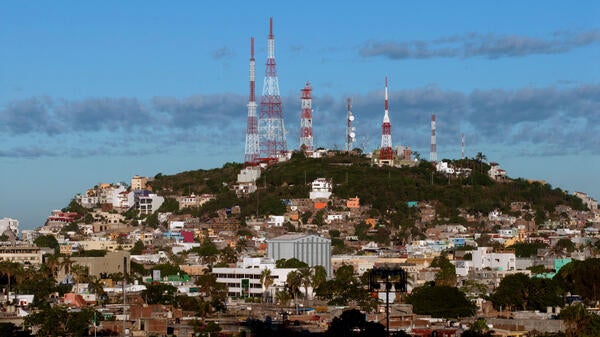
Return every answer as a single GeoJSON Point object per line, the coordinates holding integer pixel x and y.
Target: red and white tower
{"type": "Point", "coordinates": [462, 146]}
{"type": "Point", "coordinates": [273, 145]}
{"type": "Point", "coordinates": [306, 130]}
{"type": "Point", "coordinates": [252, 152]}
{"type": "Point", "coordinates": [433, 151]}
{"type": "Point", "coordinates": [386, 153]}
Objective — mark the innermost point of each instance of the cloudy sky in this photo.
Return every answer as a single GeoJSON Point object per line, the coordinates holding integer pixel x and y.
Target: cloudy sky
{"type": "Point", "coordinates": [100, 91]}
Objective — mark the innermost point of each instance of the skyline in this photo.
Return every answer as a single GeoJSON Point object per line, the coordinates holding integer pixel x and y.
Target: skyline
{"type": "Point", "coordinates": [94, 94]}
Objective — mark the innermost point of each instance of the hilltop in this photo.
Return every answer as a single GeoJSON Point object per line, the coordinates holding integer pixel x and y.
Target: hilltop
{"type": "Point", "coordinates": [386, 189]}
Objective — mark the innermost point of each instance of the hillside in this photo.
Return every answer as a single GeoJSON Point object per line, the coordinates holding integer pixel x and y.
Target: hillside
{"type": "Point", "coordinates": [387, 189]}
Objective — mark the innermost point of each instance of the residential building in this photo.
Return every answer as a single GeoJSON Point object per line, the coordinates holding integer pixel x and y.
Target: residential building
{"type": "Point", "coordinates": [496, 172]}
{"type": "Point", "coordinates": [486, 257]}
{"type": "Point", "coordinates": [111, 263]}
{"type": "Point", "coordinates": [9, 224]}
{"type": "Point", "coordinates": [244, 279]}
{"type": "Point", "coordinates": [27, 255]}
{"type": "Point", "coordinates": [320, 189]}
{"type": "Point", "coordinates": [146, 202]}
{"type": "Point", "coordinates": [138, 183]}
{"type": "Point", "coordinates": [311, 249]}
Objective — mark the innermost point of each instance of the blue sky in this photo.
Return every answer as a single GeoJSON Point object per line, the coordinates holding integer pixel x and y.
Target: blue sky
{"type": "Point", "coordinates": [100, 91]}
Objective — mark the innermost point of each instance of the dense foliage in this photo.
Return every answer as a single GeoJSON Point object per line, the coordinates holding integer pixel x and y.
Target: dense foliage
{"type": "Point", "coordinates": [440, 301]}
{"type": "Point", "coordinates": [520, 292]}
{"type": "Point", "coordinates": [384, 188]}
{"type": "Point", "coordinates": [581, 278]}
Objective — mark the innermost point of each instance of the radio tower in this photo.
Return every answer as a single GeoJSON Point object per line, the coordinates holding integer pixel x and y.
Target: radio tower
{"type": "Point", "coordinates": [386, 153]}
{"type": "Point", "coordinates": [462, 146]}
{"type": "Point", "coordinates": [270, 125]}
{"type": "Point", "coordinates": [433, 152]}
{"type": "Point", "coordinates": [252, 151]}
{"type": "Point", "coordinates": [306, 131]}
{"type": "Point", "coordinates": [350, 135]}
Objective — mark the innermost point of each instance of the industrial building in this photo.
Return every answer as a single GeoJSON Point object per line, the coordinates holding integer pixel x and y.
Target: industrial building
{"type": "Point", "coordinates": [311, 249]}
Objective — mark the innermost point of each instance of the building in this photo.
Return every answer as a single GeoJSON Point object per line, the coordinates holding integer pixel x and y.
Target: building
{"type": "Point", "coordinates": [311, 249]}
{"type": "Point", "coordinates": [496, 172]}
{"type": "Point", "coordinates": [590, 202]}
{"type": "Point", "coordinates": [486, 257]}
{"type": "Point", "coordinates": [27, 255]}
{"type": "Point", "coordinates": [111, 263]}
{"type": "Point", "coordinates": [320, 189]}
{"type": "Point", "coordinates": [147, 203]}
{"type": "Point", "coordinates": [9, 224]}
{"type": "Point", "coordinates": [244, 279]}
{"type": "Point", "coordinates": [138, 183]}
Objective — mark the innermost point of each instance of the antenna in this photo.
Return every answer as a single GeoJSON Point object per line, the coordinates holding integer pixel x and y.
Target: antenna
{"type": "Point", "coordinates": [462, 146]}
{"type": "Point", "coordinates": [433, 151]}
{"type": "Point", "coordinates": [350, 130]}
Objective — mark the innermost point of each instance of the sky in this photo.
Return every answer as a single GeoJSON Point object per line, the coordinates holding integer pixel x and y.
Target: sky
{"type": "Point", "coordinates": [99, 91]}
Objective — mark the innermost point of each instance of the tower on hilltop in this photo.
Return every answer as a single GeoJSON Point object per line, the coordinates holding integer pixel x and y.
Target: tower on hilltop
{"type": "Point", "coordinates": [252, 152]}
{"type": "Point", "coordinates": [433, 150]}
{"type": "Point", "coordinates": [386, 154]}
{"type": "Point", "coordinates": [273, 146]}
{"type": "Point", "coordinates": [350, 134]}
{"type": "Point", "coordinates": [306, 130]}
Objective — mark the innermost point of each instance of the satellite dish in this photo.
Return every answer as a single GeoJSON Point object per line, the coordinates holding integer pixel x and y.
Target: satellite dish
{"type": "Point", "coordinates": [352, 134]}
{"type": "Point", "coordinates": [351, 118]}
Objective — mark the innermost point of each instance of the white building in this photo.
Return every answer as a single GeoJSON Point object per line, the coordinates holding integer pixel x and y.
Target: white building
{"type": "Point", "coordinates": [244, 279]}
{"type": "Point", "coordinates": [275, 220]}
{"type": "Point", "coordinates": [590, 202]}
{"type": "Point", "coordinates": [148, 204]}
{"type": "Point", "coordinates": [496, 172]}
{"type": "Point", "coordinates": [444, 167]}
{"type": "Point", "coordinates": [320, 189]}
{"type": "Point", "coordinates": [248, 175]}
{"type": "Point", "coordinates": [9, 224]}
{"type": "Point", "coordinates": [485, 257]}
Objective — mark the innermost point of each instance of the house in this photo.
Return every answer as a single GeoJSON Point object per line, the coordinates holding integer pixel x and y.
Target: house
{"type": "Point", "coordinates": [496, 172]}
{"type": "Point", "coordinates": [320, 189]}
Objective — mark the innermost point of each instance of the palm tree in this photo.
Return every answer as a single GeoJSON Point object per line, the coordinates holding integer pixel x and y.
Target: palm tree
{"type": "Point", "coordinates": [266, 280]}
{"type": "Point", "coordinates": [480, 157]}
{"type": "Point", "coordinates": [79, 273]}
{"type": "Point", "coordinates": [96, 287]}
{"type": "Point", "coordinates": [293, 282]}
{"type": "Point", "coordinates": [319, 276]}
{"type": "Point", "coordinates": [306, 275]}
{"type": "Point", "coordinates": [66, 264]}
{"type": "Point", "coordinates": [53, 264]}
{"type": "Point", "coordinates": [9, 269]}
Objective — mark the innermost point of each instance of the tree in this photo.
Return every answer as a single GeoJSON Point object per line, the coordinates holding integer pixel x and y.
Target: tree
{"type": "Point", "coordinates": [80, 273]}
{"type": "Point", "coordinates": [216, 293]}
{"type": "Point", "coordinates": [138, 248]}
{"type": "Point", "coordinates": [581, 278]}
{"type": "Point", "coordinates": [440, 301]}
{"type": "Point", "coordinates": [319, 276]}
{"type": "Point", "coordinates": [352, 320]}
{"type": "Point", "coordinates": [47, 241]}
{"type": "Point", "coordinates": [159, 293]}
{"type": "Point", "coordinates": [290, 263]}
{"type": "Point", "coordinates": [228, 255]}
{"type": "Point", "coordinates": [580, 322]}
{"type": "Point", "coordinates": [293, 283]}
{"type": "Point", "coordinates": [306, 275]}
{"type": "Point", "coordinates": [9, 269]}
{"type": "Point", "coordinates": [447, 274]}
{"type": "Point", "coordinates": [266, 280]}
{"type": "Point", "coordinates": [57, 321]}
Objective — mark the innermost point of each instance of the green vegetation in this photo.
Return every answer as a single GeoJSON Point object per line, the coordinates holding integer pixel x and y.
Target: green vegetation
{"type": "Point", "coordinates": [47, 241]}
{"type": "Point", "coordinates": [581, 278]}
{"type": "Point", "coordinates": [520, 292]}
{"type": "Point", "coordinates": [387, 189]}
{"type": "Point", "coordinates": [523, 249]}
{"type": "Point", "coordinates": [440, 301]}
{"type": "Point", "coordinates": [290, 263]}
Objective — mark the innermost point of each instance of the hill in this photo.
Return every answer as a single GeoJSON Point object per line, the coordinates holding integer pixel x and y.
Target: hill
{"type": "Point", "coordinates": [386, 189]}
